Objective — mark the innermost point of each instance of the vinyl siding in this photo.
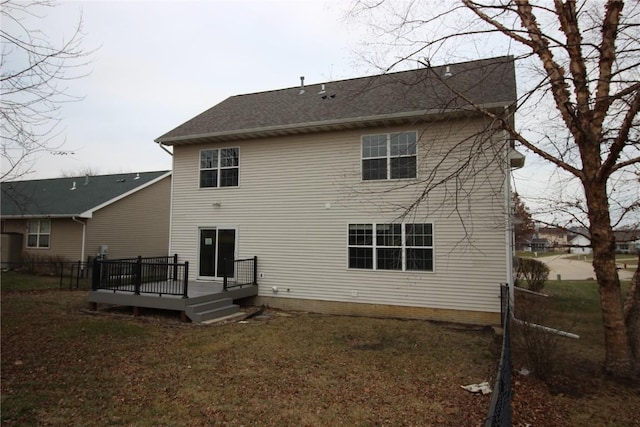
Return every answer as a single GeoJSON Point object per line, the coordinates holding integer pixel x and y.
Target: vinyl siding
{"type": "Point", "coordinates": [65, 238]}
{"type": "Point", "coordinates": [297, 195]}
{"type": "Point", "coordinates": [135, 225]}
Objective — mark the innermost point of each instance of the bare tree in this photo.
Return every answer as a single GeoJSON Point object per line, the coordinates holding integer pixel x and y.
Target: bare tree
{"type": "Point", "coordinates": [34, 77]}
{"type": "Point", "coordinates": [579, 78]}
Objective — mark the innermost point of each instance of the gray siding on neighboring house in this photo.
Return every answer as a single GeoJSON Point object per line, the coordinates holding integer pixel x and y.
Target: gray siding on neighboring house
{"type": "Point", "coordinates": [297, 195]}
{"type": "Point", "coordinates": [135, 225]}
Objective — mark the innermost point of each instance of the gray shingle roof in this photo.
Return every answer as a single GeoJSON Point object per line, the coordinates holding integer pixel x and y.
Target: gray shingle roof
{"type": "Point", "coordinates": [55, 197]}
{"type": "Point", "coordinates": [364, 100]}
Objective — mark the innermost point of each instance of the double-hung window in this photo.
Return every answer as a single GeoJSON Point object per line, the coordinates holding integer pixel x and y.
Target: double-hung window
{"type": "Point", "coordinates": [402, 247]}
{"type": "Point", "coordinates": [39, 232]}
{"type": "Point", "coordinates": [389, 156]}
{"type": "Point", "coordinates": [219, 167]}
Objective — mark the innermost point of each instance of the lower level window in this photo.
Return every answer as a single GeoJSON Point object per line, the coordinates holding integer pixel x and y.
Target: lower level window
{"type": "Point", "coordinates": [403, 247]}
{"type": "Point", "coordinates": [39, 233]}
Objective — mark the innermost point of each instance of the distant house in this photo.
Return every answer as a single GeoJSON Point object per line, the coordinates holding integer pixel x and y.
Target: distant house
{"type": "Point", "coordinates": [580, 244]}
{"type": "Point", "coordinates": [313, 180]}
{"type": "Point", "coordinates": [627, 241]}
{"type": "Point", "coordinates": [119, 215]}
{"type": "Point", "coordinates": [557, 238]}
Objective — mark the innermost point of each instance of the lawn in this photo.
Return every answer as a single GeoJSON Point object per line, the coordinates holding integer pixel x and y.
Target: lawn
{"type": "Point", "coordinates": [62, 365]}
{"type": "Point", "coordinates": [578, 389]}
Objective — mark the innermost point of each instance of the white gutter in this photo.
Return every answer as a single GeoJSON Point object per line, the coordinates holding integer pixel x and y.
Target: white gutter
{"type": "Point", "coordinates": [84, 229]}
{"type": "Point", "coordinates": [163, 148]}
{"type": "Point", "coordinates": [301, 127]}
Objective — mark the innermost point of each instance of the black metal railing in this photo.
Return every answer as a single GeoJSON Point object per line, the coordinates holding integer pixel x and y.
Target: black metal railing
{"type": "Point", "coordinates": [153, 275]}
{"type": "Point", "coordinates": [500, 409]}
{"type": "Point", "coordinates": [239, 272]}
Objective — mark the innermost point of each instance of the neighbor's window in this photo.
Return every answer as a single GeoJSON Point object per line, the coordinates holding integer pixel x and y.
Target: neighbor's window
{"type": "Point", "coordinates": [39, 231]}
{"type": "Point", "coordinates": [389, 156]}
{"type": "Point", "coordinates": [403, 247]}
{"type": "Point", "coordinates": [219, 167]}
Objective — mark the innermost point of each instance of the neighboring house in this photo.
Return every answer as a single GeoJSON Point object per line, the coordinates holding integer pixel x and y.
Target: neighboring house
{"type": "Point", "coordinates": [557, 238]}
{"type": "Point", "coordinates": [315, 181]}
{"type": "Point", "coordinates": [121, 215]}
{"type": "Point", "coordinates": [580, 244]}
{"type": "Point", "coordinates": [627, 241]}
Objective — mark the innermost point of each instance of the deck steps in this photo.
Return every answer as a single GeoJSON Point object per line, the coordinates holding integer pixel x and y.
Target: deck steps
{"type": "Point", "coordinates": [210, 310]}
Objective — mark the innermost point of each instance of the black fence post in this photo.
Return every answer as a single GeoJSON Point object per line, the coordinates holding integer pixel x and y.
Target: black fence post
{"type": "Point", "coordinates": [95, 274]}
{"type": "Point", "coordinates": [224, 274]}
{"type": "Point", "coordinates": [185, 285]}
{"type": "Point", "coordinates": [137, 276]}
{"type": "Point", "coordinates": [78, 275]}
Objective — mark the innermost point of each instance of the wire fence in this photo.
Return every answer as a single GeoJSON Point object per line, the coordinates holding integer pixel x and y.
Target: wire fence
{"type": "Point", "coordinates": [500, 410]}
{"type": "Point", "coordinates": [73, 275]}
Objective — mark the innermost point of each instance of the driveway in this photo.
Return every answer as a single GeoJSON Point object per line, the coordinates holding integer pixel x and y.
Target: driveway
{"type": "Point", "coordinates": [571, 269]}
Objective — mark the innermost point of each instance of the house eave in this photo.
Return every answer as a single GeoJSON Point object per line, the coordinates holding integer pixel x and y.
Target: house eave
{"type": "Point", "coordinates": [331, 125]}
{"type": "Point", "coordinates": [49, 216]}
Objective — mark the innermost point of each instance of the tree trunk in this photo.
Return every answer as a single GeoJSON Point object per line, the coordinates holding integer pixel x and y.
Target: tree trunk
{"type": "Point", "coordinates": [632, 317]}
{"type": "Point", "coordinates": [618, 359]}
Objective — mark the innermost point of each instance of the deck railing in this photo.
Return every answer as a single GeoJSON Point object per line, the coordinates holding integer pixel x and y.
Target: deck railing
{"type": "Point", "coordinates": [239, 272]}
{"type": "Point", "coordinates": [153, 275]}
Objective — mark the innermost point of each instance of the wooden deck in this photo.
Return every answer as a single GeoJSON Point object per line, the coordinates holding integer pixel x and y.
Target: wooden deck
{"type": "Point", "coordinates": [206, 300]}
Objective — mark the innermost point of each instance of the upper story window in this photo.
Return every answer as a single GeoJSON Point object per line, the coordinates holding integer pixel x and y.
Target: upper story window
{"type": "Point", "coordinates": [389, 156]}
{"type": "Point", "coordinates": [219, 167]}
{"type": "Point", "coordinates": [39, 231]}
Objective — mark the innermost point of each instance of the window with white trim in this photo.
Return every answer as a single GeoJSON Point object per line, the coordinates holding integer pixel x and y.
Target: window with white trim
{"type": "Point", "coordinates": [402, 247]}
{"type": "Point", "coordinates": [38, 233]}
{"type": "Point", "coordinates": [389, 156]}
{"type": "Point", "coordinates": [219, 167]}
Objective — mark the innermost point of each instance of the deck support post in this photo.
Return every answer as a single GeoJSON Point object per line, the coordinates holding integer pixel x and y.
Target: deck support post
{"type": "Point", "coordinates": [185, 283]}
{"type": "Point", "coordinates": [136, 311]}
{"type": "Point", "coordinates": [183, 317]}
{"type": "Point", "coordinates": [93, 306]}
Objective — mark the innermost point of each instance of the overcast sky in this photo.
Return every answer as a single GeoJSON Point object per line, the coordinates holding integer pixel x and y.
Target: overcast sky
{"type": "Point", "coordinates": [158, 64]}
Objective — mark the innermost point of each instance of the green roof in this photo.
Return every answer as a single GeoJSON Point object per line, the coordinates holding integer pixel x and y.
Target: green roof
{"type": "Point", "coordinates": [68, 197]}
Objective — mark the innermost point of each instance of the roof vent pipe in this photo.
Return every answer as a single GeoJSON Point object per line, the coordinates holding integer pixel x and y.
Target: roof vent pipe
{"type": "Point", "coordinates": [301, 85]}
{"type": "Point", "coordinates": [322, 90]}
{"type": "Point", "coordinates": [73, 187]}
{"type": "Point", "coordinates": [447, 71]}
{"type": "Point", "coordinates": [86, 179]}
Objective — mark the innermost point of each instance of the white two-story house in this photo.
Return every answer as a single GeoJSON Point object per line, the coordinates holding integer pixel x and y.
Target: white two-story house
{"type": "Point", "coordinates": [381, 196]}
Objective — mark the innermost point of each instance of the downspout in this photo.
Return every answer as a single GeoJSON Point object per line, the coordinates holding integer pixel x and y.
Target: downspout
{"type": "Point", "coordinates": [164, 149]}
{"type": "Point", "coordinates": [84, 229]}
{"type": "Point", "coordinates": [170, 196]}
{"type": "Point", "coordinates": [510, 242]}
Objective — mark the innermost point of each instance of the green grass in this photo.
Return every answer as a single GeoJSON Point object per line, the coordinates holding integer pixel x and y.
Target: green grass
{"type": "Point", "coordinates": [19, 281]}
{"type": "Point", "coordinates": [620, 258]}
